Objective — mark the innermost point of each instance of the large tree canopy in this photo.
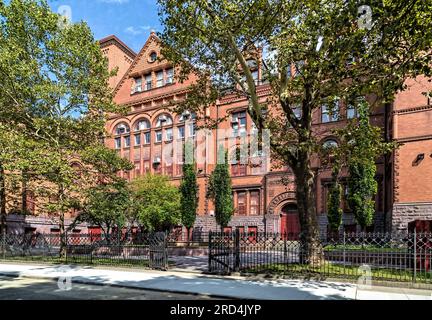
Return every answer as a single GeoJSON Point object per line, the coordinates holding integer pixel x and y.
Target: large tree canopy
{"type": "Point", "coordinates": [54, 91]}
{"type": "Point", "coordinates": [313, 53]}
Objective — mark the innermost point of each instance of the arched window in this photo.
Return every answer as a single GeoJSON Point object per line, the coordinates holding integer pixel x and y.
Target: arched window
{"type": "Point", "coordinates": [122, 128]}
{"type": "Point", "coordinates": [142, 124]}
{"type": "Point", "coordinates": [330, 144]}
{"type": "Point", "coordinates": [164, 120]}
{"type": "Point", "coordinates": [187, 116]}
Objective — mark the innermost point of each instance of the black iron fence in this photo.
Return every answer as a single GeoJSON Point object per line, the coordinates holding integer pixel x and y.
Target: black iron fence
{"type": "Point", "coordinates": [181, 236]}
{"type": "Point", "coordinates": [141, 249]}
{"type": "Point", "coordinates": [378, 256]}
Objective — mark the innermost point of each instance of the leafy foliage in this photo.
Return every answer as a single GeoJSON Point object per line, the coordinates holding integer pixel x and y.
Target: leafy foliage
{"type": "Point", "coordinates": [189, 192]}
{"type": "Point", "coordinates": [156, 202]}
{"type": "Point", "coordinates": [107, 206]}
{"type": "Point", "coordinates": [363, 143]}
{"type": "Point", "coordinates": [334, 210]}
{"type": "Point", "coordinates": [220, 190]}
{"type": "Point", "coordinates": [213, 40]}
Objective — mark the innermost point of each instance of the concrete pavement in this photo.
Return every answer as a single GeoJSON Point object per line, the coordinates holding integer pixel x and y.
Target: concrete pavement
{"type": "Point", "coordinates": [194, 283]}
{"type": "Point", "coordinates": [45, 289]}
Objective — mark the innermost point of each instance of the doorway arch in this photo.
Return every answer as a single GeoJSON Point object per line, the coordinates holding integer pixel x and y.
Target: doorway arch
{"type": "Point", "coordinates": [290, 221]}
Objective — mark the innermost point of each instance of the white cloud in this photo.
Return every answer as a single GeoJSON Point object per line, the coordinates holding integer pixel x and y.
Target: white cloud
{"type": "Point", "coordinates": [136, 30]}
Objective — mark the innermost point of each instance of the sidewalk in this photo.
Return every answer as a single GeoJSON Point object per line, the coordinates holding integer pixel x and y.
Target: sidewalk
{"type": "Point", "coordinates": [228, 287]}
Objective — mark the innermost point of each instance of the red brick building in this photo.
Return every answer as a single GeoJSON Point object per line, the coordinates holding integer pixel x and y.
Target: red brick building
{"type": "Point", "coordinates": [264, 196]}
{"type": "Point", "coordinates": [151, 135]}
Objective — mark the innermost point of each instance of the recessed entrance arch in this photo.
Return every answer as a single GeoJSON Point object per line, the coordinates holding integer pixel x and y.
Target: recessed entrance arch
{"type": "Point", "coordinates": [290, 221]}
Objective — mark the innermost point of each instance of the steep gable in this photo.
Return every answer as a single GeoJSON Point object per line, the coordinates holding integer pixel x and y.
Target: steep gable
{"type": "Point", "coordinates": [146, 64]}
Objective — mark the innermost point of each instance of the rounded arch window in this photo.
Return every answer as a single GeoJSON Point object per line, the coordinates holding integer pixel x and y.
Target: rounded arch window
{"type": "Point", "coordinates": [330, 144]}
{"type": "Point", "coordinates": [187, 116]}
{"type": "Point", "coordinates": [122, 128]}
{"type": "Point", "coordinates": [142, 124]}
{"type": "Point", "coordinates": [163, 120]}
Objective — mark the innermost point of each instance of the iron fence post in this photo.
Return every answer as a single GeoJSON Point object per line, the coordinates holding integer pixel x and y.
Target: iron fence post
{"type": "Point", "coordinates": [209, 251]}
{"type": "Point", "coordinates": [344, 249]}
{"type": "Point", "coordinates": [415, 256]}
{"type": "Point", "coordinates": [237, 250]}
{"type": "Point", "coordinates": [4, 244]}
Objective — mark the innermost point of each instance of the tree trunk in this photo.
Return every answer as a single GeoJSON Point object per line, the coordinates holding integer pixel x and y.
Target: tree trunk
{"type": "Point", "coordinates": [24, 181]}
{"type": "Point", "coordinates": [311, 249]}
{"type": "Point", "coordinates": [2, 200]}
{"type": "Point", "coordinates": [188, 235]}
{"type": "Point", "coordinates": [63, 240]}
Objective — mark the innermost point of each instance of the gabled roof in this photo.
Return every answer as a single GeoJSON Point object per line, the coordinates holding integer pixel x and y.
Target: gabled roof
{"type": "Point", "coordinates": [112, 39]}
{"type": "Point", "coordinates": [137, 59]}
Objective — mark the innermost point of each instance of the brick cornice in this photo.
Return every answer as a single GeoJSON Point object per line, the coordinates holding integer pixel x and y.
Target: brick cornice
{"type": "Point", "coordinates": [412, 110]}
{"type": "Point", "coordinates": [414, 139]}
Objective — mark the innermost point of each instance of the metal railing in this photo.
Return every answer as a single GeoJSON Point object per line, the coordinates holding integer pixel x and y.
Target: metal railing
{"type": "Point", "coordinates": [195, 236]}
{"type": "Point", "coordinates": [403, 256]}
{"type": "Point", "coordinates": [140, 249]}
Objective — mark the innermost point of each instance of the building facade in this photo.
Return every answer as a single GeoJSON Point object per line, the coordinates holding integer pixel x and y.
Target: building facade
{"type": "Point", "coordinates": [264, 195]}
{"type": "Point", "coordinates": [152, 136]}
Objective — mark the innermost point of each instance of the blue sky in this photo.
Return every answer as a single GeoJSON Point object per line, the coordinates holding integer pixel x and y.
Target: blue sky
{"type": "Point", "coordinates": [130, 20]}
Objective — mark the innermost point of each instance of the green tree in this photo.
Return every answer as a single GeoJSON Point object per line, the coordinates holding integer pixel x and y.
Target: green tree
{"type": "Point", "coordinates": [363, 144]}
{"type": "Point", "coordinates": [220, 189]}
{"type": "Point", "coordinates": [107, 206]}
{"type": "Point", "coordinates": [107, 200]}
{"type": "Point", "coordinates": [334, 211]}
{"type": "Point", "coordinates": [156, 203]}
{"type": "Point", "coordinates": [55, 87]}
{"type": "Point", "coordinates": [189, 190]}
{"type": "Point", "coordinates": [313, 51]}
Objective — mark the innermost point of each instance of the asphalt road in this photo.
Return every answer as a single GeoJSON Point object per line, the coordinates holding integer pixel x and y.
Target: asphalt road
{"type": "Point", "coordinates": [41, 289]}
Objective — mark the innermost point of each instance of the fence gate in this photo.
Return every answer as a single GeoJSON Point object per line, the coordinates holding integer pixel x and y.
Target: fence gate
{"type": "Point", "coordinates": [224, 255]}
{"type": "Point", "coordinates": [158, 251]}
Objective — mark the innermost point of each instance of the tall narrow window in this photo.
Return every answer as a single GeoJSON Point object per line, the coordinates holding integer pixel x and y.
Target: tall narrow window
{"type": "Point", "coordinates": [117, 143]}
{"type": "Point", "coordinates": [255, 77]}
{"type": "Point", "coordinates": [241, 203]}
{"type": "Point", "coordinates": [148, 82]}
{"type": "Point", "coordinates": [238, 123]}
{"type": "Point", "coordinates": [138, 85]}
{"type": "Point", "coordinates": [254, 203]}
{"type": "Point", "coordinates": [192, 130]}
{"type": "Point", "coordinates": [158, 136]}
{"type": "Point", "coordinates": [159, 79]}
{"type": "Point", "coordinates": [127, 141]}
{"type": "Point", "coordinates": [170, 76]}
{"type": "Point", "coordinates": [351, 112]}
{"type": "Point", "coordinates": [137, 140]}
{"type": "Point", "coordinates": [168, 134]}
{"type": "Point", "coordinates": [147, 138]}
{"type": "Point", "coordinates": [181, 132]}
{"type": "Point", "coordinates": [330, 114]}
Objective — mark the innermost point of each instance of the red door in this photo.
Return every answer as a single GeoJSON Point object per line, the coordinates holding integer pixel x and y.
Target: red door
{"type": "Point", "coordinates": [290, 222]}
{"type": "Point", "coordinates": [95, 234]}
